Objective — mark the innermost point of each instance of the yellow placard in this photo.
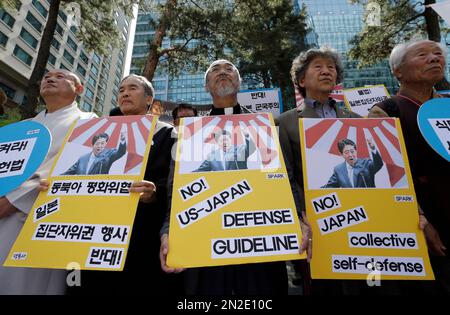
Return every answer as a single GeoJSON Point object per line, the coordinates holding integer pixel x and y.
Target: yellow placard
{"type": "Point", "coordinates": [231, 201]}
{"type": "Point", "coordinates": [85, 218]}
{"type": "Point", "coordinates": [360, 201]}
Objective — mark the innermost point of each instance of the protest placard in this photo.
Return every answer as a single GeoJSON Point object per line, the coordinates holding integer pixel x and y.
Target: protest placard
{"type": "Point", "coordinates": [360, 201]}
{"type": "Point", "coordinates": [231, 202]}
{"type": "Point", "coordinates": [87, 214]}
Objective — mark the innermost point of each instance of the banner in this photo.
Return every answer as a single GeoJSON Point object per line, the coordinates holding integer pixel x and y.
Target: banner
{"type": "Point", "coordinates": [86, 216]}
{"type": "Point", "coordinates": [262, 101]}
{"type": "Point", "coordinates": [433, 120]}
{"type": "Point", "coordinates": [23, 148]}
{"type": "Point", "coordinates": [231, 201]}
{"type": "Point", "coordinates": [360, 100]}
{"type": "Point", "coordinates": [360, 201]}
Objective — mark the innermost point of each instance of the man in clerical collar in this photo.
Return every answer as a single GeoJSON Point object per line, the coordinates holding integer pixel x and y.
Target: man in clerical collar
{"type": "Point", "coordinates": [223, 81]}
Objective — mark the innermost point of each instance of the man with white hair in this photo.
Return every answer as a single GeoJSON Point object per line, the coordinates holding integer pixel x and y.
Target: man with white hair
{"type": "Point", "coordinates": [59, 89]}
{"type": "Point", "coordinates": [418, 65]}
{"type": "Point", "coordinates": [222, 81]}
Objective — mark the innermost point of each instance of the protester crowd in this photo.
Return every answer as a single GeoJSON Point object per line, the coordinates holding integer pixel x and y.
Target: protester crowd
{"type": "Point", "coordinates": [418, 66]}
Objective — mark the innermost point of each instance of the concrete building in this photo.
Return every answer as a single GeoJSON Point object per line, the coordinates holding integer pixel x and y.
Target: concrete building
{"type": "Point", "coordinates": [20, 34]}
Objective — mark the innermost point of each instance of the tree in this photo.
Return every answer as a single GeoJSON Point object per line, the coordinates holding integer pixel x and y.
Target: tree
{"type": "Point", "coordinates": [266, 37]}
{"type": "Point", "coordinates": [400, 20]}
{"type": "Point", "coordinates": [97, 31]}
{"type": "Point", "coordinates": [195, 29]}
{"type": "Point", "coordinates": [262, 37]}
{"type": "Point", "coordinates": [9, 4]}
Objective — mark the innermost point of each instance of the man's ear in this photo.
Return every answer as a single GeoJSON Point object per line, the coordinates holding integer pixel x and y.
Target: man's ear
{"type": "Point", "coordinates": [397, 73]}
{"type": "Point", "coordinates": [301, 82]}
{"type": "Point", "coordinates": [149, 102]}
{"type": "Point", "coordinates": [79, 89]}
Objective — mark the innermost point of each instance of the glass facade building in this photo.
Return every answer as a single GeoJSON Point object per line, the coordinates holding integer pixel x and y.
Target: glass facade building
{"type": "Point", "coordinates": [335, 23]}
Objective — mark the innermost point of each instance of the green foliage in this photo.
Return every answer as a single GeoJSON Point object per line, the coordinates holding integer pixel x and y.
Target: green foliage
{"type": "Point", "coordinates": [400, 21]}
{"type": "Point", "coordinates": [266, 37]}
{"type": "Point", "coordinates": [261, 37]}
{"type": "Point", "coordinates": [9, 4]}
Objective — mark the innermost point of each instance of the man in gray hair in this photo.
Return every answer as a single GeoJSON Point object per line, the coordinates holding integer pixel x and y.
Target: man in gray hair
{"type": "Point", "coordinates": [418, 65]}
{"type": "Point", "coordinates": [314, 73]}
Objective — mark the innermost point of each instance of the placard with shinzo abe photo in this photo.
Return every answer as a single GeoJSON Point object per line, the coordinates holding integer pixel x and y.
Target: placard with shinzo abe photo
{"type": "Point", "coordinates": [360, 201]}
{"type": "Point", "coordinates": [85, 218]}
{"type": "Point", "coordinates": [231, 201]}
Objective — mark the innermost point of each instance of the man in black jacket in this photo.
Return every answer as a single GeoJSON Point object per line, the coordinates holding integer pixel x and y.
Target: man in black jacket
{"type": "Point", "coordinates": [142, 268]}
{"type": "Point", "coordinates": [222, 81]}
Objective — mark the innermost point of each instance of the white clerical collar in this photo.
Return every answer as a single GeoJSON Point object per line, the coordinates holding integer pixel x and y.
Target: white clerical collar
{"type": "Point", "coordinates": [228, 110]}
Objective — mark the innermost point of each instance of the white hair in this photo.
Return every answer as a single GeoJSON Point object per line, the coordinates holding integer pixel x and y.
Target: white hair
{"type": "Point", "coordinates": [399, 51]}
{"type": "Point", "coordinates": [220, 61]}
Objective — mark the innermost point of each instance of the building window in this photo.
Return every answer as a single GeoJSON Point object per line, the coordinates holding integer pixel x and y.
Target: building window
{"type": "Point", "coordinates": [22, 55]}
{"type": "Point", "coordinates": [3, 39]}
{"type": "Point", "coordinates": [94, 69]}
{"type": "Point", "coordinates": [71, 43]}
{"type": "Point", "coordinates": [51, 59]}
{"type": "Point", "coordinates": [55, 44]}
{"type": "Point", "coordinates": [87, 106]}
{"type": "Point", "coordinates": [62, 66]}
{"type": "Point", "coordinates": [28, 38]}
{"type": "Point", "coordinates": [74, 29]}
{"type": "Point", "coordinates": [34, 22]}
{"type": "Point", "coordinates": [81, 70]}
{"type": "Point", "coordinates": [59, 29]}
{"type": "Point", "coordinates": [89, 94]}
{"type": "Point", "coordinates": [92, 81]}
{"type": "Point", "coordinates": [68, 57]}
{"type": "Point", "coordinates": [96, 58]}
{"type": "Point", "coordinates": [84, 57]}
{"type": "Point", "coordinates": [40, 8]}
{"type": "Point", "coordinates": [63, 16]}
{"type": "Point", "coordinates": [7, 18]}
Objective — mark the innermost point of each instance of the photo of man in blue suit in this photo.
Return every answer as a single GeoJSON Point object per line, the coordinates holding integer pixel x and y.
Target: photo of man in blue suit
{"type": "Point", "coordinates": [354, 172]}
{"type": "Point", "coordinates": [99, 161]}
{"type": "Point", "coordinates": [228, 156]}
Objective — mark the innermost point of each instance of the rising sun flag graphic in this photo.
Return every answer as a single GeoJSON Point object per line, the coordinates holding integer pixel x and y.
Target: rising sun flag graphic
{"type": "Point", "coordinates": [137, 131]}
{"type": "Point", "coordinates": [257, 127]}
{"type": "Point", "coordinates": [325, 135]}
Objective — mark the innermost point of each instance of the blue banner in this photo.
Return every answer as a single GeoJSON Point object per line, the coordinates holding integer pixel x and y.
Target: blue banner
{"type": "Point", "coordinates": [434, 124]}
{"type": "Point", "coordinates": [23, 148]}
